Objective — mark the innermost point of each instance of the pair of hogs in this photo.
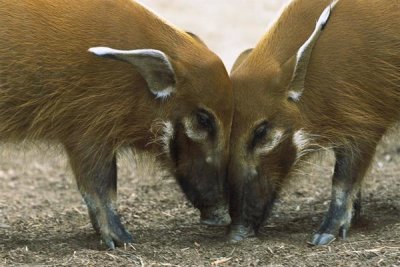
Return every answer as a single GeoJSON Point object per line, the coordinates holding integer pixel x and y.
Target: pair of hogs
{"type": "Point", "coordinates": [227, 140]}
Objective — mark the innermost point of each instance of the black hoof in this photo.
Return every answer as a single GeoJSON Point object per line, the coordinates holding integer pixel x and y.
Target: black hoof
{"type": "Point", "coordinates": [322, 239]}
{"type": "Point", "coordinates": [114, 233]}
{"type": "Point", "coordinates": [239, 233]}
{"type": "Point", "coordinates": [117, 238]}
{"type": "Point", "coordinates": [215, 221]}
{"type": "Point", "coordinates": [112, 240]}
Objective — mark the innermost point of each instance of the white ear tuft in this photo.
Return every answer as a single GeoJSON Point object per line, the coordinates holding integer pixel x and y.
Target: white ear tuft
{"type": "Point", "coordinates": [294, 95]}
{"type": "Point", "coordinates": [303, 55]}
{"type": "Point", "coordinates": [164, 94]}
{"type": "Point", "coordinates": [101, 51]}
{"type": "Point", "coordinates": [323, 19]}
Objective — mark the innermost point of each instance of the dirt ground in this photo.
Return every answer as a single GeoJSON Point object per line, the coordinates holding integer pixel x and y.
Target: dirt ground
{"type": "Point", "coordinates": [43, 219]}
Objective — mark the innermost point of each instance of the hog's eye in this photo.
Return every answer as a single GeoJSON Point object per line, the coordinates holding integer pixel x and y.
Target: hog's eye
{"type": "Point", "coordinates": [204, 119]}
{"type": "Point", "coordinates": [260, 133]}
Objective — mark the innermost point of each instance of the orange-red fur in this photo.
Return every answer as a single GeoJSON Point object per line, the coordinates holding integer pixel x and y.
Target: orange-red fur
{"type": "Point", "coordinates": [351, 94]}
{"type": "Point", "coordinates": [354, 74]}
{"type": "Point", "coordinates": [53, 89]}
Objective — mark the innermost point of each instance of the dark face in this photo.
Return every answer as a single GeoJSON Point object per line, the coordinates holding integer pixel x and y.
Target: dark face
{"type": "Point", "coordinates": [256, 177]}
{"type": "Point", "coordinates": [197, 141]}
{"type": "Point", "coordinates": [200, 167]}
{"type": "Point", "coordinates": [263, 149]}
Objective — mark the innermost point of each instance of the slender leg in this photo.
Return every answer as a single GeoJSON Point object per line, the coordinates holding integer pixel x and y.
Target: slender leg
{"type": "Point", "coordinates": [357, 206]}
{"type": "Point", "coordinates": [97, 183]}
{"type": "Point", "coordinates": [350, 169]}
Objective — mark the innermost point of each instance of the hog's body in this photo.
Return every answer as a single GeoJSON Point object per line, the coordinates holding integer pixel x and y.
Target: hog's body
{"type": "Point", "coordinates": [53, 89]}
{"type": "Point", "coordinates": [339, 89]}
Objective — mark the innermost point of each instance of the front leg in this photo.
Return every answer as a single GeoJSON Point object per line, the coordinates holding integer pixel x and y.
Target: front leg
{"type": "Point", "coordinates": [97, 182]}
{"type": "Point", "coordinates": [357, 206]}
{"type": "Point", "coordinates": [350, 168]}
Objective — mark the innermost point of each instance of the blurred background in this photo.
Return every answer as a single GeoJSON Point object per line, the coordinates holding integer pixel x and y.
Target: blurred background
{"type": "Point", "coordinates": [227, 26]}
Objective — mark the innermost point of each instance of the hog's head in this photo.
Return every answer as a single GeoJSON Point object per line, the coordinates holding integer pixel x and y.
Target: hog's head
{"type": "Point", "coordinates": [194, 98]}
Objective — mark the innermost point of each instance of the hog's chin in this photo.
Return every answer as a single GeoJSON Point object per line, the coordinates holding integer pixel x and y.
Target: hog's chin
{"type": "Point", "coordinates": [213, 210]}
{"type": "Point", "coordinates": [256, 219]}
{"type": "Point", "coordinates": [215, 216]}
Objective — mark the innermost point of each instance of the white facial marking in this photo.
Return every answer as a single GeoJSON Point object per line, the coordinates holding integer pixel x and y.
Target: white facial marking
{"type": "Point", "coordinates": [209, 160]}
{"type": "Point", "coordinates": [295, 95]}
{"type": "Point", "coordinates": [268, 147]}
{"type": "Point", "coordinates": [195, 135]}
{"type": "Point", "coordinates": [167, 135]}
{"type": "Point", "coordinates": [300, 140]}
{"type": "Point", "coordinates": [164, 94]}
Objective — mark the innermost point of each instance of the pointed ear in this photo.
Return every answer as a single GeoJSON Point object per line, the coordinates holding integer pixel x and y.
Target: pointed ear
{"type": "Point", "coordinates": [241, 58]}
{"type": "Point", "coordinates": [284, 79]}
{"type": "Point", "coordinates": [154, 66]}
{"type": "Point", "coordinates": [301, 60]}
